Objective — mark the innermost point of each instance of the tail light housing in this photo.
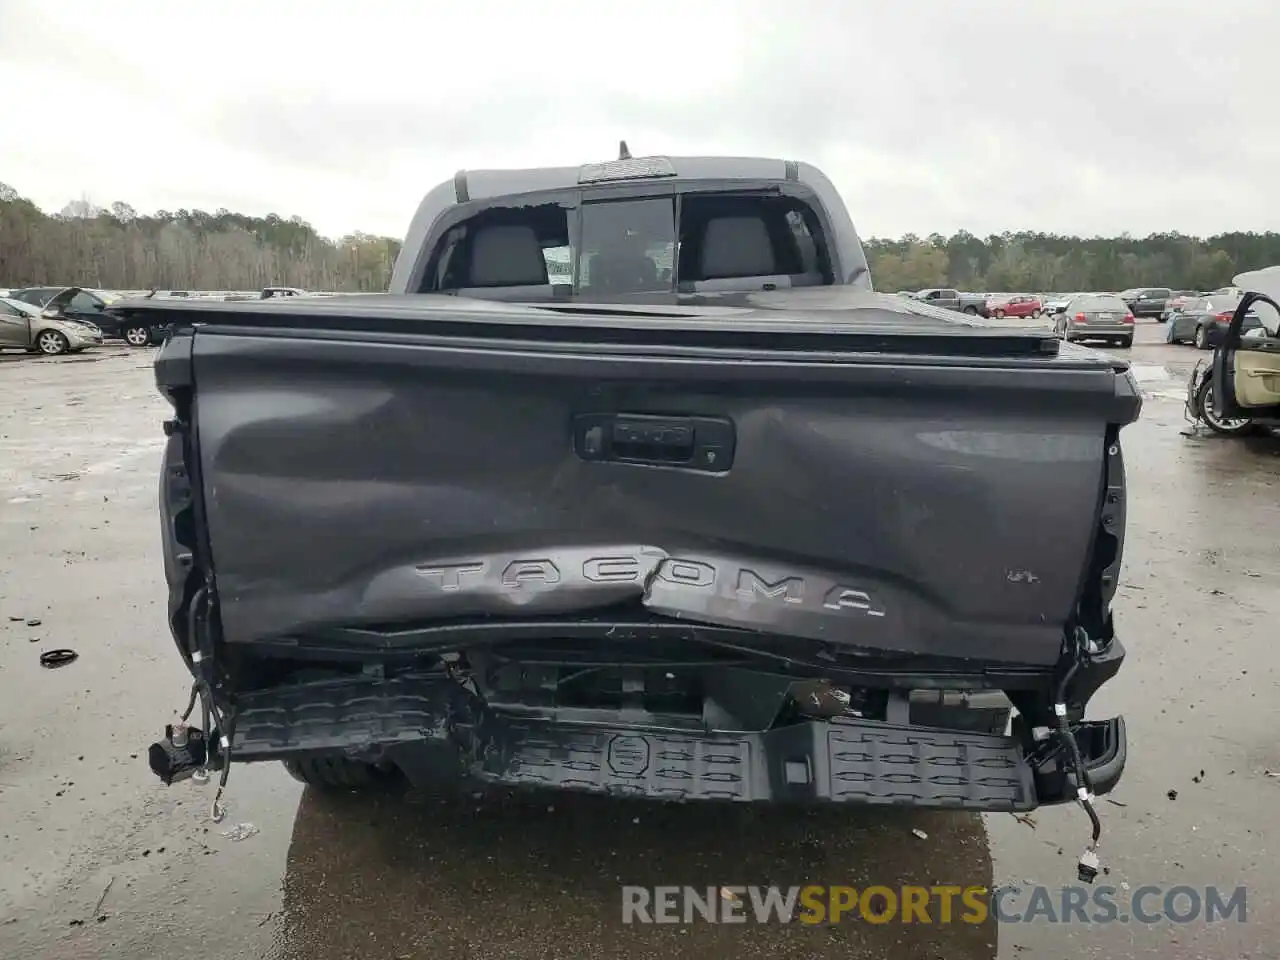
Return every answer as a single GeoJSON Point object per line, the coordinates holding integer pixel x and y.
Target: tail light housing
{"type": "Point", "coordinates": [1128, 318]}
{"type": "Point", "coordinates": [1224, 316]}
{"type": "Point", "coordinates": [1081, 318]}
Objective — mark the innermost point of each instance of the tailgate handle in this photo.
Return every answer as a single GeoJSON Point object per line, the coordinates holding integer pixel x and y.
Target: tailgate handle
{"type": "Point", "coordinates": [647, 438]}
{"type": "Point", "coordinates": [698, 443]}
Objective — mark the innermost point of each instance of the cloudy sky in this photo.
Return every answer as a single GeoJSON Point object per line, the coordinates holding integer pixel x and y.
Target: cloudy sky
{"type": "Point", "coordinates": [1089, 116]}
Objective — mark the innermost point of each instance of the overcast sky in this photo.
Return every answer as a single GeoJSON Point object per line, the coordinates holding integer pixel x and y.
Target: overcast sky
{"type": "Point", "coordinates": [1086, 116]}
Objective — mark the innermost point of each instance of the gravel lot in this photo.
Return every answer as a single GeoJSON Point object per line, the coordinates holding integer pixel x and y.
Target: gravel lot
{"type": "Point", "coordinates": [101, 861]}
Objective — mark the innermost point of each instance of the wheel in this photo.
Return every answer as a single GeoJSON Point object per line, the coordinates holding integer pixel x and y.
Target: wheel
{"type": "Point", "coordinates": [51, 343]}
{"type": "Point", "coordinates": [1204, 406]}
{"type": "Point", "coordinates": [335, 773]}
{"type": "Point", "coordinates": [1035, 314]}
{"type": "Point", "coordinates": [1202, 337]}
{"type": "Point", "coordinates": [972, 311]}
{"type": "Point", "coordinates": [999, 314]}
{"type": "Point", "coordinates": [137, 336]}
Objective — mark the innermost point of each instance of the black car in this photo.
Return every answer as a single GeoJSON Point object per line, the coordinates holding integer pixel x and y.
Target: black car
{"type": "Point", "coordinates": [1146, 301]}
{"type": "Point", "coordinates": [1202, 321]}
{"type": "Point", "coordinates": [76, 303]}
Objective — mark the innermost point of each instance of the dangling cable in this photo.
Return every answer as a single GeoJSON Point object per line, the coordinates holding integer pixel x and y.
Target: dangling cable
{"type": "Point", "coordinates": [1088, 865]}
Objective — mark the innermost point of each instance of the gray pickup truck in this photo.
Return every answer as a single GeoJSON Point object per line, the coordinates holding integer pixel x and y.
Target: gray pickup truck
{"type": "Point", "coordinates": [633, 486]}
{"type": "Point", "coordinates": [970, 303]}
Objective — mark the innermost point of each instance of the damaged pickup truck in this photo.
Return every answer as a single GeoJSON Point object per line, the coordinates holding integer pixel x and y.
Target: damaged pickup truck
{"type": "Point", "coordinates": [708, 519]}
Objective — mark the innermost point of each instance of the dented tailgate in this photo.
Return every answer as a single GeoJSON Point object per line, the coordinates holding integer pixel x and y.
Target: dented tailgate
{"type": "Point", "coordinates": [925, 506]}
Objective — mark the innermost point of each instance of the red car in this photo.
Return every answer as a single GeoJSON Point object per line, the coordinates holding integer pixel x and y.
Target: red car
{"type": "Point", "coordinates": [1015, 307]}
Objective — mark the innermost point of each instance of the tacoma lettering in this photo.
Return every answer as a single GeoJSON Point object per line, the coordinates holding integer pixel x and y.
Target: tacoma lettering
{"type": "Point", "coordinates": [746, 584]}
{"type": "Point", "coordinates": [688, 573]}
{"type": "Point", "coordinates": [451, 574]}
{"type": "Point", "coordinates": [846, 598]}
{"type": "Point", "coordinates": [611, 569]}
{"type": "Point", "coordinates": [520, 572]}
{"type": "Point", "coordinates": [751, 584]}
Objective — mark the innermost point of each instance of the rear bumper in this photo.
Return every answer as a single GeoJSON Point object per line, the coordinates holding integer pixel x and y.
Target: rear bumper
{"type": "Point", "coordinates": [430, 728]}
{"type": "Point", "coordinates": [1087, 331]}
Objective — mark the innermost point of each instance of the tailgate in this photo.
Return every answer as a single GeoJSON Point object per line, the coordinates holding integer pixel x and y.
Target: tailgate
{"type": "Point", "coordinates": [912, 503]}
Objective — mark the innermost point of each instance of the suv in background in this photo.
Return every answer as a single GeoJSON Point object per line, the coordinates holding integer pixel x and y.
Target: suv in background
{"type": "Point", "coordinates": [1146, 301]}
{"type": "Point", "coordinates": [1015, 306]}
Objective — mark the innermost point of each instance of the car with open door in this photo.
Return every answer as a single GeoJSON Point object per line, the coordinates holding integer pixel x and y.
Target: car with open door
{"type": "Point", "coordinates": [27, 327]}
{"type": "Point", "coordinates": [1239, 390]}
{"type": "Point", "coordinates": [83, 306]}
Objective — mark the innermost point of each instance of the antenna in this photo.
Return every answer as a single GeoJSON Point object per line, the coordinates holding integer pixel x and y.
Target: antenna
{"type": "Point", "coordinates": [623, 152]}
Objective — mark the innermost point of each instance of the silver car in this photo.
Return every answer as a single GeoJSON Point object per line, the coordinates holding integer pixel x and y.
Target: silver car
{"type": "Point", "coordinates": [25, 327]}
{"type": "Point", "coordinates": [1095, 317]}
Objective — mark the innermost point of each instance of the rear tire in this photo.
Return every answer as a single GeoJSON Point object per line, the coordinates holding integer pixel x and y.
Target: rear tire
{"type": "Point", "coordinates": [999, 314]}
{"type": "Point", "coordinates": [1035, 314]}
{"type": "Point", "coordinates": [1202, 337]}
{"type": "Point", "coordinates": [972, 311]}
{"type": "Point", "coordinates": [1125, 342]}
{"type": "Point", "coordinates": [335, 773]}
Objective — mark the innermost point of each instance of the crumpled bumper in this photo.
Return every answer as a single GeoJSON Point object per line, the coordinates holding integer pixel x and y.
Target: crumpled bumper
{"type": "Point", "coordinates": [429, 726]}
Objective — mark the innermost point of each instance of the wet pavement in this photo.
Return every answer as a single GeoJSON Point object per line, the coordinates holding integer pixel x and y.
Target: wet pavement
{"type": "Point", "coordinates": [100, 860]}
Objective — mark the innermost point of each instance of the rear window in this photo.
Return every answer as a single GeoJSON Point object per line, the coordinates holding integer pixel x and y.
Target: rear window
{"type": "Point", "coordinates": [1220, 302]}
{"type": "Point", "coordinates": [605, 248]}
{"type": "Point", "coordinates": [625, 245]}
{"type": "Point", "coordinates": [1100, 305]}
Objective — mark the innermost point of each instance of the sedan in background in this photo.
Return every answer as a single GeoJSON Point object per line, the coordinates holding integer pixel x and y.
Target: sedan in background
{"type": "Point", "coordinates": [1094, 317]}
{"type": "Point", "coordinates": [1175, 303]}
{"type": "Point", "coordinates": [24, 327]}
{"type": "Point", "coordinates": [1057, 303]}
{"type": "Point", "coordinates": [1202, 321]}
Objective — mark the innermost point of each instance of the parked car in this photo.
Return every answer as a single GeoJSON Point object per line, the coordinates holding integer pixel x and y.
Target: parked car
{"type": "Point", "coordinates": [1239, 390]}
{"type": "Point", "coordinates": [27, 327]}
{"type": "Point", "coordinates": [537, 635]}
{"type": "Point", "coordinates": [1176, 302]}
{"type": "Point", "coordinates": [1056, 303]}
{"type": "Point", "coordinates": [1146, 301]}
{"type": "Point", "coordinates": [1203, 320]}
{"type": "Point", "coordinates": [969, 303]}
{"type": "Point", "coordinates": [76, 303]}
{"type": "Point", "coordinates": [1015, 306]}
{"type": "Point", "coordinates": [1095, 317]}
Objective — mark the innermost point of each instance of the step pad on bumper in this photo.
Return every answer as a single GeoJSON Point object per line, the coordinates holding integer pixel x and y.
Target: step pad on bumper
{"type": "Point", "coordinates": [847, 761]}
{"type": "Point", "coordinates": [844, 760]}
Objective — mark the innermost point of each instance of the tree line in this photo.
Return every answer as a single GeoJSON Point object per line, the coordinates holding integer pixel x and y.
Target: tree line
{"type": "Point", "coordinates": [117, 248]}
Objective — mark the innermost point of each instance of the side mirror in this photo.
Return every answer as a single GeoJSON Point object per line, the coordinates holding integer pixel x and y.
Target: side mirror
{"type": "Point", "coordinates": [49, 313]}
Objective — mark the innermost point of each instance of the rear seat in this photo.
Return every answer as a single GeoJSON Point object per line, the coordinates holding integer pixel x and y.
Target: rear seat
{"type": "Point", "coordinates": [737, 254]}
{"type": "Point", "coordinates": [507, 262]}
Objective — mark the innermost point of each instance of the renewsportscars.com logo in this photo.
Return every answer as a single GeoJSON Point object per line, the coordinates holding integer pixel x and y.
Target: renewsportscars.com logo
{"type": "Point", "coordinates": [938, 904]}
